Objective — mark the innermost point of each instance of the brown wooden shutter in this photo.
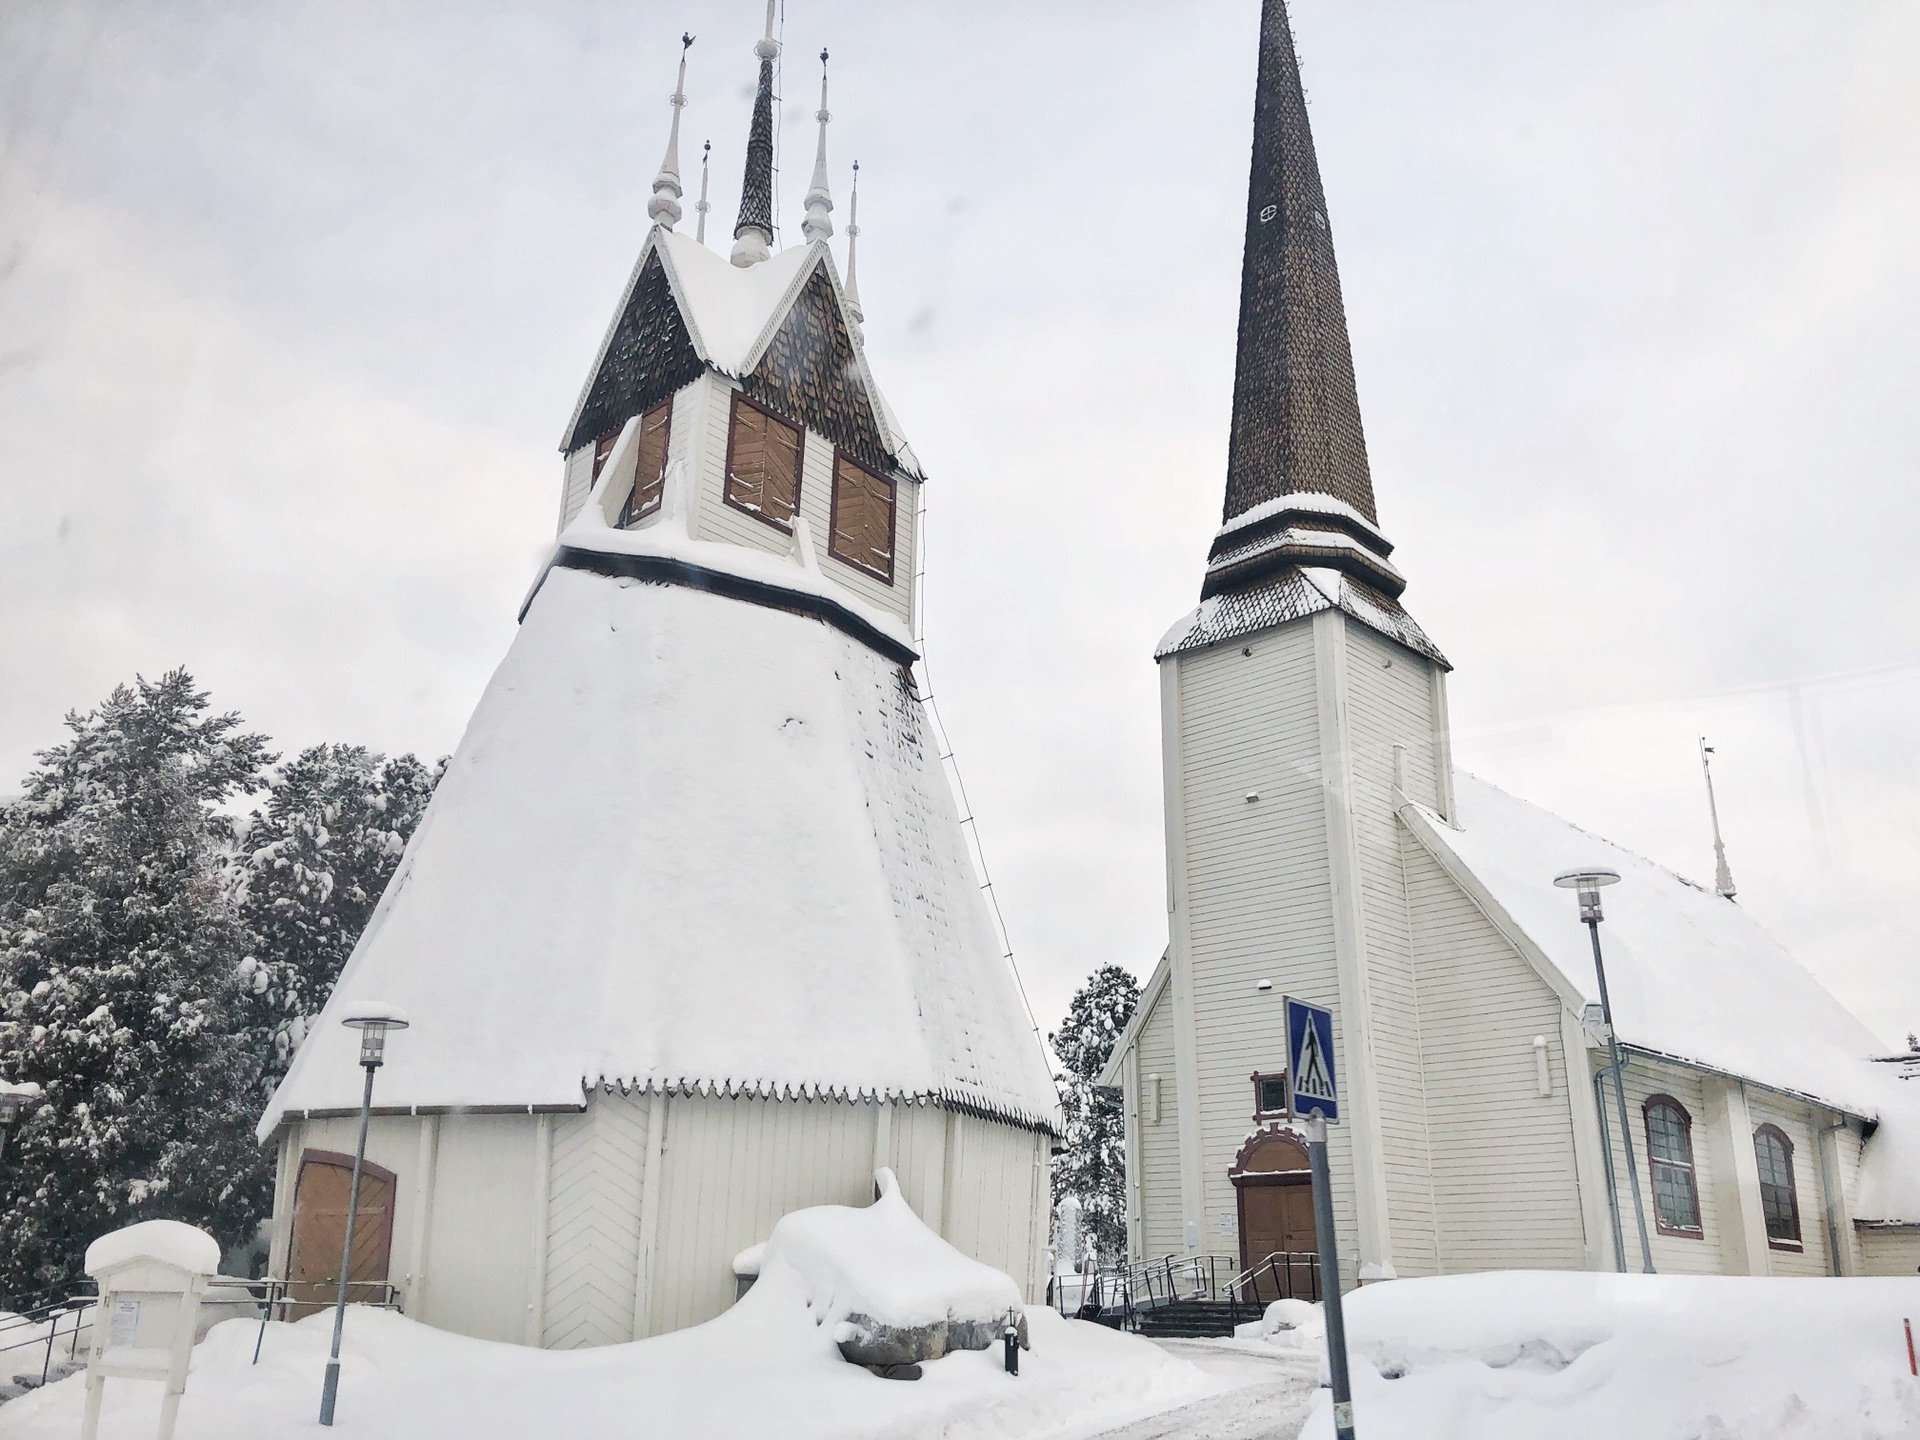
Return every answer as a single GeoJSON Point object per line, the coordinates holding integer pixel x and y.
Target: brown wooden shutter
{"type": "Point", "coordinates": [863, 518]}
{"type": "Point", "coordinates": [649, 476]}
{"type": "Point", "coordinates": [602, 448]}
{"type": "Point", "coordinates": [763, 464]}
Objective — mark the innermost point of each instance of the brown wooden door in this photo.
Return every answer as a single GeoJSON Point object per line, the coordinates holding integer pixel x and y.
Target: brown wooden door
{"type": "Point", "coordinates": [1277, 1217]}
{"type": "Point", "coordinates": [320, 1227]}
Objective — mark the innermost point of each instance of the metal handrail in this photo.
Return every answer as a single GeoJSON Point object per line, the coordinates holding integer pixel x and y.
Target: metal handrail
{"type": "Point", "coordinates": [1248, 1279]}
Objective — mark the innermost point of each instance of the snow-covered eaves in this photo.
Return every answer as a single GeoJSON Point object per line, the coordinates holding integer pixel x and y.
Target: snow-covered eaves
{"type": "Point", "coordinates": [1691, 975]}
{"type": "Point", "coordinates": [1292, 595]}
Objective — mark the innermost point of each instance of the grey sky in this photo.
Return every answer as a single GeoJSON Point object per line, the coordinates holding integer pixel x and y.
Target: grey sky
{"type": "Point", "coordinates": [294, 300]}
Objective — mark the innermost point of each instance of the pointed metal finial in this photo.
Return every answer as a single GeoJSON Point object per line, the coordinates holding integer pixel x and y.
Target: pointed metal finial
{"type": "Point", "coordinates": [819, 202]}
{"type": "Point", "coordinates": [753, 232]}
{"type": "Point", "coordinates": [700, 206]}
{"type": "Point", "coordinates": [1722, 876]}
{"type": "Point", "coordinates": [664, 207]}
{"type": "Point", "coordinates": [853, 253]}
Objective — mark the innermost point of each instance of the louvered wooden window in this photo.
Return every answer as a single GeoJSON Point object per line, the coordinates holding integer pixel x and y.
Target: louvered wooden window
{"type": "Point", "coordinates": [650, 475]}
{"type": "Point", "coordinates": [1779, 1197]}
{"type": "Point", "coordinates": [1676, 1199]}
{"type": "Point", "coordinates": [763, 464]}
{"type": "Point", "coordinates": [602, 448]}
{"type": "Point", "coordinates": [863, 517]}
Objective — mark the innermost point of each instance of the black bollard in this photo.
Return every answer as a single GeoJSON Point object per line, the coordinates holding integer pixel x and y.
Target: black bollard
{"type": "Point", "coordinates": [1013, 1350]}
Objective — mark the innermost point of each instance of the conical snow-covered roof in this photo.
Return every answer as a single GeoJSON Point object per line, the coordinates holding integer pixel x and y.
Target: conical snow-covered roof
{"type": "Point", "coordinates": [688, 841]}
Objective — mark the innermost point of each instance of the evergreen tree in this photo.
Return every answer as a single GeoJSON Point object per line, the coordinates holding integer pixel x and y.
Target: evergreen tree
{"type": "Point", "coordinates": [119, 943]}
{"type": "Point", "coordinates": [1094, 1167]}
{"type": "Point", "coordinates": [318, 856]}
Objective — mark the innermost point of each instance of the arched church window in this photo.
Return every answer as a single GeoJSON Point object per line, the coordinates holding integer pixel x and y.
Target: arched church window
{"type": "Point", "coordinates": [763, 464]}
{"type": "Point", "coordinates": [650, 474]}
{"type": "Point", "coordinates": [1779, 1198]}
{"type": "Point", "coordinates": [863, 519]}
{"type": "Point", "coordinates": [1676, 1198]}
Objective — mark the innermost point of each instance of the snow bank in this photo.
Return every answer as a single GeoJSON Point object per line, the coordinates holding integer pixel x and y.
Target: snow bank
{"type": "Point", "coordinates": [768, 1369]}
{"type": "Point", "coordinates": [167, 1241]}
{"type": "Point", "coordinates": [1575, 1356]}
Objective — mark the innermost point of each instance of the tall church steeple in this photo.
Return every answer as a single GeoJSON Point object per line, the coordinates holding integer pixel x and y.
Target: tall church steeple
{"type": "Point", "coordinates": [1299, 494]}
{"type": "Point", "coordinates": [753, 233]}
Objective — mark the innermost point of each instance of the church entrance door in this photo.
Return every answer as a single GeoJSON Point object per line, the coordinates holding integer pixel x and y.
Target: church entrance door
{"type": "Point", "coordinates": [1275, 1191]}
{"type": "Point", "coordinates": [320, 1228]}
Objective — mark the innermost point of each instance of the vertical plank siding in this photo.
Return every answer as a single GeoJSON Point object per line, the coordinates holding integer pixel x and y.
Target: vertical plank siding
{"type": "Point", "coordinates": [477, 1247]}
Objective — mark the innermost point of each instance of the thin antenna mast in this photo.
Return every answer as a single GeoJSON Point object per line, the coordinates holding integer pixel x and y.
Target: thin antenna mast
{"type": "Point", "coordinates": [1722, 877]}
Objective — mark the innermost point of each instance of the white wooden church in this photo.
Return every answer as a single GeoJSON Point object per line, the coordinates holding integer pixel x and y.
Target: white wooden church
{"type": "Point", "coordinates": [1320, 843]}
{"type": "Point", "coordinates": [689, 936]}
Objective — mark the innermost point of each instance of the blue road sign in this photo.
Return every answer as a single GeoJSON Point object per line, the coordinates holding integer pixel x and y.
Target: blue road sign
{"type": "Point", "coordinates": [1310, 1060]}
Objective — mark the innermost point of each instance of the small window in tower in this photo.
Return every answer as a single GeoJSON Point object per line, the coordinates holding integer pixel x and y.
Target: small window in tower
{"type": "Point", "coordinates": [863, 517]}
{"type": "Point", "coordinates": [602, 448]}
{"type": "Point", "coordinates": [1676, 1200]}
{"type": "Point", "coordinates": [1779, 1198]}
{"type": "Point", "coordinates": [1269, 1096]}
{"type": "Point", "coordinates": [763, 464]}
{"type": "Point", "coordinates": [650, 475]}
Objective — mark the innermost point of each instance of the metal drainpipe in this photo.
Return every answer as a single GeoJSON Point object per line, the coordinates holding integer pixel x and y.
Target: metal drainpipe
{"type": "Point", "coordinates": [1827, 1197]}
{"type": "Point", "coordinates": [1606, 1155]}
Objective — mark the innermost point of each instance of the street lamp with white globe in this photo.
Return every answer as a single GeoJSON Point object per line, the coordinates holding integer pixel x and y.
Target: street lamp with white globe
{"type": "Point", "coordinates": [373, 1019]}
{"type": "Point", "coordinates": [1588, 884]}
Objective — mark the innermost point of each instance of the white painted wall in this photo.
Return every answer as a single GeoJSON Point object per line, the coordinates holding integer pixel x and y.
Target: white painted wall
{"type": "Point", "coordinates": [541, 1228]}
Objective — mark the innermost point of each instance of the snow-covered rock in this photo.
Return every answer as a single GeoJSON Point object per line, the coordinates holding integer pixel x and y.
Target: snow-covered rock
{"type": "Point", "coordinates": [893, 1291]}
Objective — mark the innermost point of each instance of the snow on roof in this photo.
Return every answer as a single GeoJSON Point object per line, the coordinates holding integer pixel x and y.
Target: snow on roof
{"type": "Point", "coordinates": [686, 841]}
{"type": "Point", "coordinates": [167, 1241]}
{"type": "Point", "coordinates": [732, 312]}
{"type": "Point", "coordinates": [1691, 975]}
{"type": "Point", "coordinates": [1310, 501]}
{"type": "Point", "coordinates": [1293, 594]}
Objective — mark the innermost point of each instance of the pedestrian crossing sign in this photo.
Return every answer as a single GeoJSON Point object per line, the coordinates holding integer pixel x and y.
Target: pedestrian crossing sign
{"type": "Point", "coordinates": [1310, 1080]}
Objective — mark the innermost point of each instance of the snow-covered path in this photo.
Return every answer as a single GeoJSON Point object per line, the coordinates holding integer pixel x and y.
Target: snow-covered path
{"type": "Point", "coordinates": [1272, 1392]}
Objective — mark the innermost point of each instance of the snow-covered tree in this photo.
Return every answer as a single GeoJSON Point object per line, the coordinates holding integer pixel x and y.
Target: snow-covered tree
{"type": "Point", "coordinates": [119, 943]}
{"type": "Point", "coordinates": [316, 858]}
{"type": "Point", "coordinates": [1094, 1168]}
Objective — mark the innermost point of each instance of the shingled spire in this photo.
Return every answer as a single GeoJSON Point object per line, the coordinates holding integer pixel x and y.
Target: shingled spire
{"type": "Point", "coordinates": [753, 234]}
{"type": "Point", "coordinates": [1299, 532]}
{"type": "Point", "coordinates": [1296, 456]}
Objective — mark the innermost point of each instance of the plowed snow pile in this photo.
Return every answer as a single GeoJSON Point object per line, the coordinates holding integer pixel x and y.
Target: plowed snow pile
{"type": "Point", "coordinates": [1555, 1356]}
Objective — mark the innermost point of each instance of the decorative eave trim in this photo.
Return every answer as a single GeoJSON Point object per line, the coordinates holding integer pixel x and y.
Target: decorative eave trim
{"type": "Point", "coordinates": [663, 570]}
{"type": "Point", "coordinates": [1248, 559]}
{"type": "Point", "coordinates": [810, 1092]}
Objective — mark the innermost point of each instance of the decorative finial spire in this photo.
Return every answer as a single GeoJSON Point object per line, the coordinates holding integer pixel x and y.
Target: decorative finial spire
{"type": "Point", "coordinates": [853, 252]}
{"type": "Point", "coordinates": [701, 207]}
{"type": "Point", "coordinates": [819, 222]}
{"type": "Point", "coordinates": [664, 207]}
{"type": "Point", "coordinates": [753, 235]}
{"type": "Point", "coordinates": [1722, 876]}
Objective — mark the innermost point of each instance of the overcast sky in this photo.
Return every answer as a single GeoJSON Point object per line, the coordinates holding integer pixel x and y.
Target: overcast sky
{"type": "Point", "coordinates": [295, 299]}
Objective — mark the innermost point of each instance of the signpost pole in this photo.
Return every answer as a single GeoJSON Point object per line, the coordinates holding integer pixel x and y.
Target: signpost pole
{"type": "Point", "coordinates": [1330, 1277]}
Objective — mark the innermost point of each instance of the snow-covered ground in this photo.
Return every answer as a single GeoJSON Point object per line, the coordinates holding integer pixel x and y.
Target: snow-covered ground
{"type": "Point", "coordinates": [1521, 1356]}
{"type": "Point", "coordinates": [763, 1370]}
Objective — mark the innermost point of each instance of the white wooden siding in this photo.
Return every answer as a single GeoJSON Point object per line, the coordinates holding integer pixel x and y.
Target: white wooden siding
{"type": "Point", "coordinates": [1767, 1108]}
{"type": "Point", "coordinates": [1672, 1254]}
{"type": "Point", "coordinates": [1506, 1192]}
{"type": "Point", "coordinates": [593, 1223]}
{"type": "Point", "coordinates": [1159, 1143]}
{"type": "Point", "coordinates": [576, 481]}
{"type": "Point", "coordinates": [1889, 1249]}
{"type": "Point", "coordinates": [1390, 708]}
{"type": "Point", "coordinates": [479, 1248]}
{"type": "Point", "coordinates": [1256, 895]}
{"type": "Point", "coordinates": [713, 519]}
